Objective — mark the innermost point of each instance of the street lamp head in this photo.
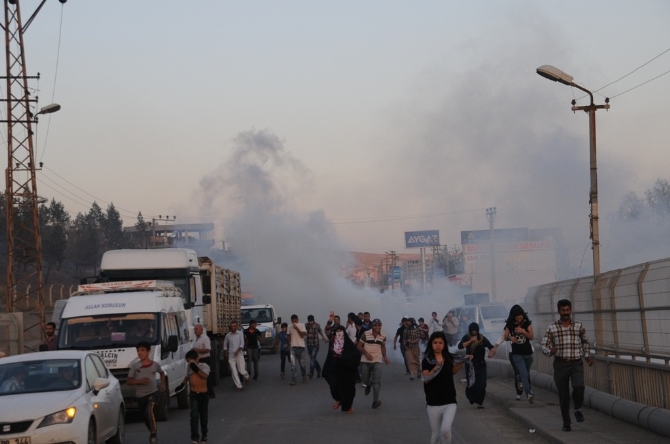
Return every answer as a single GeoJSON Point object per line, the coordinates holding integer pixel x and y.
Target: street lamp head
{"type": "Point", "coordinates": [555, 74]}
{"type": "Point", "coordinates": [52, 108]}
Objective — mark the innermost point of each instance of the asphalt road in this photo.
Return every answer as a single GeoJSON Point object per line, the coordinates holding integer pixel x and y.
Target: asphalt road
{"type": "Point", "coordinates": [270, 411]}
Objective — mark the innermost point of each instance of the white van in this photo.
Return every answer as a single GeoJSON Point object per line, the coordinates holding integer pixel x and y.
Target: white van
{"type": "Point", "coordinates": [111, 318]}
{"type": "Point", "coordinates": [267, 323]}
{"type": "Point", "coordinates": [490, 317]}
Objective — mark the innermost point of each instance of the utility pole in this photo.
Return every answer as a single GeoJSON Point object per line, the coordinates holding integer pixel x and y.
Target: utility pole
{"type": "Point", "coordinates": [491, 215]}
{"type": "Point", "coordinates": [25, 286]}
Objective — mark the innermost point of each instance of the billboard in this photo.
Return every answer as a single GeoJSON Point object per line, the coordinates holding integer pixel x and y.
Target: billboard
{"type": "Point", "coordinates": [419, 239]}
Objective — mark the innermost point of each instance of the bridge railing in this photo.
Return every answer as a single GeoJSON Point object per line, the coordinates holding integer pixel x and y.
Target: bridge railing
{"type": "Point", "coordinates": [626, 313]}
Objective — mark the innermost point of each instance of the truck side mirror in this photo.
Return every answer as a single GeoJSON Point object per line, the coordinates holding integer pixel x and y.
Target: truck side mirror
{"type": "Point", "coordinates": [206, 283]}
{"type": "Point", "coordinates": [206, 299]}
{"type": "Point", "coordinates": [279, 320]}
{"type": "Point", "coordinates": [173, 344]}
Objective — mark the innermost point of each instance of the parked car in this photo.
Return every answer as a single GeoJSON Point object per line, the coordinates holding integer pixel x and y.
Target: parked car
{"type": "Point", "coordinates": [60, 396]}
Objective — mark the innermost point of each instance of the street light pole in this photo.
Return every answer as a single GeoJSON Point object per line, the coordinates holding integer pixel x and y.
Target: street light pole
{"type": "Point", "coordinates": [556, 75]}
{"type": "Point", "coordinates": [491, 216]}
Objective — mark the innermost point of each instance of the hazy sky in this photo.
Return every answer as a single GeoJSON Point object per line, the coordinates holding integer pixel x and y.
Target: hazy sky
{"type": "Point", "coordinates": [350, 121]}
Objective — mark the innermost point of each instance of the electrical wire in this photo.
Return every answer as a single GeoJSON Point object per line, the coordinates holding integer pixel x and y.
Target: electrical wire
{"type": "Point", "coordinates": [397, 218]}
{"type": "Point", "coordinates": [623, 77]}
{"type": "Point", "coordinates": [53, 92]}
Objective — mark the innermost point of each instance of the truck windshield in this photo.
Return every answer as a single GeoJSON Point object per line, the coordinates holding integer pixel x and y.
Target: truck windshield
{"type": "Point", "coordinates": [95, 332]}
{"type": "Point", "coordinates": [260, 315]}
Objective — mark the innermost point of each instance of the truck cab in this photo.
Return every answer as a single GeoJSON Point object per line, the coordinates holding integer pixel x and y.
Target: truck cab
{"type": "Point", "coordinates": [112, 318]}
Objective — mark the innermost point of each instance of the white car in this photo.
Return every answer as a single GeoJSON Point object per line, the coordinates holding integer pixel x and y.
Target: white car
{"type": "Point", "coordinates": [59, 396]}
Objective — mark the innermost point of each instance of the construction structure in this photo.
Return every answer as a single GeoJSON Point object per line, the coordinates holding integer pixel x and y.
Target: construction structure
{"type": "Point", "coordinates": [25, 287]}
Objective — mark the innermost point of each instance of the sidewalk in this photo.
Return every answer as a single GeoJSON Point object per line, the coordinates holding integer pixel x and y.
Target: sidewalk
{"type": "Point", "coordinates": [544, 416]}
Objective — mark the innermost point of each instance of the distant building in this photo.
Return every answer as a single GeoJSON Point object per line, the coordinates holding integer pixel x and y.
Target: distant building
{"type": "Point", "coordinates": [162, 233]}
{"type": "Point", "coordinates": [523, 258]}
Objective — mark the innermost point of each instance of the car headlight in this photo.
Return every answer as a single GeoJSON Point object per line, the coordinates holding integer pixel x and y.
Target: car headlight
{"type": "Point", "coordinates": [268, 333]}
{"type": "Point", "coordinates": [63, 417]}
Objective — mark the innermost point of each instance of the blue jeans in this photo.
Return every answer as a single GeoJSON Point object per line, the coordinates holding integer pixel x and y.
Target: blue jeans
{"type": "Point", "coordinates": [297, 357]}
{"type": "Point", "coordinates": [313, 351]}
{"type": "Point", "coordinates": [523, 363]}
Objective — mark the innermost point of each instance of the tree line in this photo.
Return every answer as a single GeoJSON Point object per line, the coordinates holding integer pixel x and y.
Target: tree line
{"type": "Point", "coordinates": [77, 244]}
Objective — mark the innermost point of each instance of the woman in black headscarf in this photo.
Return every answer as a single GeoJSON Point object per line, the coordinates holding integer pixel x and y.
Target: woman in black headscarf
{"type": "Point", "coordinates": [341, 368]}
{"type": "Point", "coordinates": [475, 344]}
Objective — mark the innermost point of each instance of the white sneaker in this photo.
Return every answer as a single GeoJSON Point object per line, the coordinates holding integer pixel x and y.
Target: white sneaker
{"type": "Point", "coordinates": [531, 398]}
{"type": "Point", "coordinates": [518, 397]}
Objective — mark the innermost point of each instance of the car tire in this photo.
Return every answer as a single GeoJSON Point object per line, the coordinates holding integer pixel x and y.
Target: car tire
{"type": "Point", "coordinates": [92, 438]}
{"type": "Point", "coordinates": [183, 398]}
{"type": "Point", "coordinates": [162, 407]}
{"type": "Point", "coordinates": [120, 436]}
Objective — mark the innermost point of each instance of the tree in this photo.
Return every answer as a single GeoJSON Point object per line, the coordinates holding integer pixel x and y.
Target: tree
{"type": "Point", "coordinates": [112, 228]}
{"type": "Point", "coordinates": [658, 199]}
{"type": "Point", "coordinates": [54, 224]}
{"type": "Point", "coordinates": [141, 237]}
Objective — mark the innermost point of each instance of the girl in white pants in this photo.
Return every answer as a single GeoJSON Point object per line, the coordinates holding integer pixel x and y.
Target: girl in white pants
{"type": "Point", "coordinates": [438, 385]}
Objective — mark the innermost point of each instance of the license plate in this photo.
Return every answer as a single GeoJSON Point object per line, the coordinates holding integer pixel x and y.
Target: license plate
{"type": "Point", "coordinates": [25, 440]}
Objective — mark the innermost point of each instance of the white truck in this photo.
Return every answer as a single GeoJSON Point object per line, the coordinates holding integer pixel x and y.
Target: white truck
{"type": "Point", "coordinates": [112, 318]}
{"type": "Point", "coordinates": [267, 323]}
{"type": "Point", "coordinates": [211, 294]}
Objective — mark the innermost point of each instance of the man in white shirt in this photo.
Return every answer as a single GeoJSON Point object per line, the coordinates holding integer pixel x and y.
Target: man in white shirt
{"type": "Point", "coordinates": [373, 350]}
{"type": "Point", "coordinates": [296, 339]}
{"type": "Point", "coordinates": [203, 346]}
{"type": "Point", "coordinates": [233, 349]}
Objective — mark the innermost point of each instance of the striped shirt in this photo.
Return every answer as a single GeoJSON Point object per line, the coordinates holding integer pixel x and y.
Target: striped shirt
{"type": "Point", "coordinates": [373, 346]}
{"type": "Point", "coordinates": [571, 342]}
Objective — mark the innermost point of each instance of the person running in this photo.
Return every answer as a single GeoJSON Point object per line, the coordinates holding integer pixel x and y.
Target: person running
{"type": "Point", "coordinates": [296, 339]}
{"type": "Point", "coordinates": [373, 348]}
{"type": "Point", "coordinates": [411, 343]}
{"type": "Point", "coordinates": [434, 324]}
{"type": "Point", "coordinates": [284, 350]}
{"type": "Point", "coordinates": [519, 331]}
{"type": "Point", "coordinates": [203, 346]}
{"type": "Point", "coordinates": [312, 343]}
{"type": "Point", "coordinates": [518, 385]}
{"type": "Point", "coordinates": [475, 344]}
{"type": "Point", "coordinates": [142, 374]}
{"type": "Point", "coordinates": [341, 368]}
{"type": "Point", "coordinates": [438, 386]}
{"type": "Point", "coordinates": [233, 350]}
{"type": "Point", "coordinates": [424, 334]}
{"type": "Point", "coordinates": [197, 376]}
{"type": "Point", "coordinates": [450, 328]}
{"type": "Point", "coordinates": [567, 342]}
{"type": "Point", "coordinates": [399, 338]}
{"type": "Point", "coordinates": [252, 338]}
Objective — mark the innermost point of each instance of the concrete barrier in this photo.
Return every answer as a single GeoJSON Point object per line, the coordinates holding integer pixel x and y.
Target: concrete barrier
{"type": "Point", "coordinates": [650, 418]}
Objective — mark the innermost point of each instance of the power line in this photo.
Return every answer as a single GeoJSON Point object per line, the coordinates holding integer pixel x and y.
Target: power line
{"type": "Point", "coordinates": [396, 218]}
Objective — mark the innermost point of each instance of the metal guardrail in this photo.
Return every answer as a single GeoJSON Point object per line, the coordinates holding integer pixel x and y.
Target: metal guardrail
{"type": "Point", "coordinates": [626, 313]}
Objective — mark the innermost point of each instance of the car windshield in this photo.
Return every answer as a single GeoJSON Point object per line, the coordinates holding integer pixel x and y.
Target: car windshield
{"type": "Point", "coordinates": [95, 332]}
{"type": "Point", "coordinates": [494, 312]}
{"type": "Point", "coordinates": [48, 375]}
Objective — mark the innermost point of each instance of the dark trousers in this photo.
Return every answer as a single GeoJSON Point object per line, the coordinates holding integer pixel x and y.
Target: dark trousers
{"type": "Point", "coordinates": [564, 373]}
{"type": "Point", "coordinates": [404, 358]}
{"type": "Point", "coordinates": [342, 380]}
{"type": "Point", "coordinates": [210, 383]}
{"type": "Point", "coordinates": [285, 354]}
{"type": "Point", "coordinates": [146, 405]}
{"type": "Point", "coordinates": [199, 414]}
{"type": "Point", "coordinates": [253, 355]}
{"type": "Point", "coordinates": [477, 391]}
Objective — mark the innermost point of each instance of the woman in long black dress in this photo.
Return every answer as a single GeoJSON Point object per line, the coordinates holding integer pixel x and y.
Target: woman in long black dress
{"type": "Point", "coordinates": [341, 368]}
{"type": "Point", "coordinates": [475, 344]}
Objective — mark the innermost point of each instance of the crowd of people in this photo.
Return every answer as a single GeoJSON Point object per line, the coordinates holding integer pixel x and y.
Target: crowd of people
{"type": "Point", "coordinates": [356, 353]}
